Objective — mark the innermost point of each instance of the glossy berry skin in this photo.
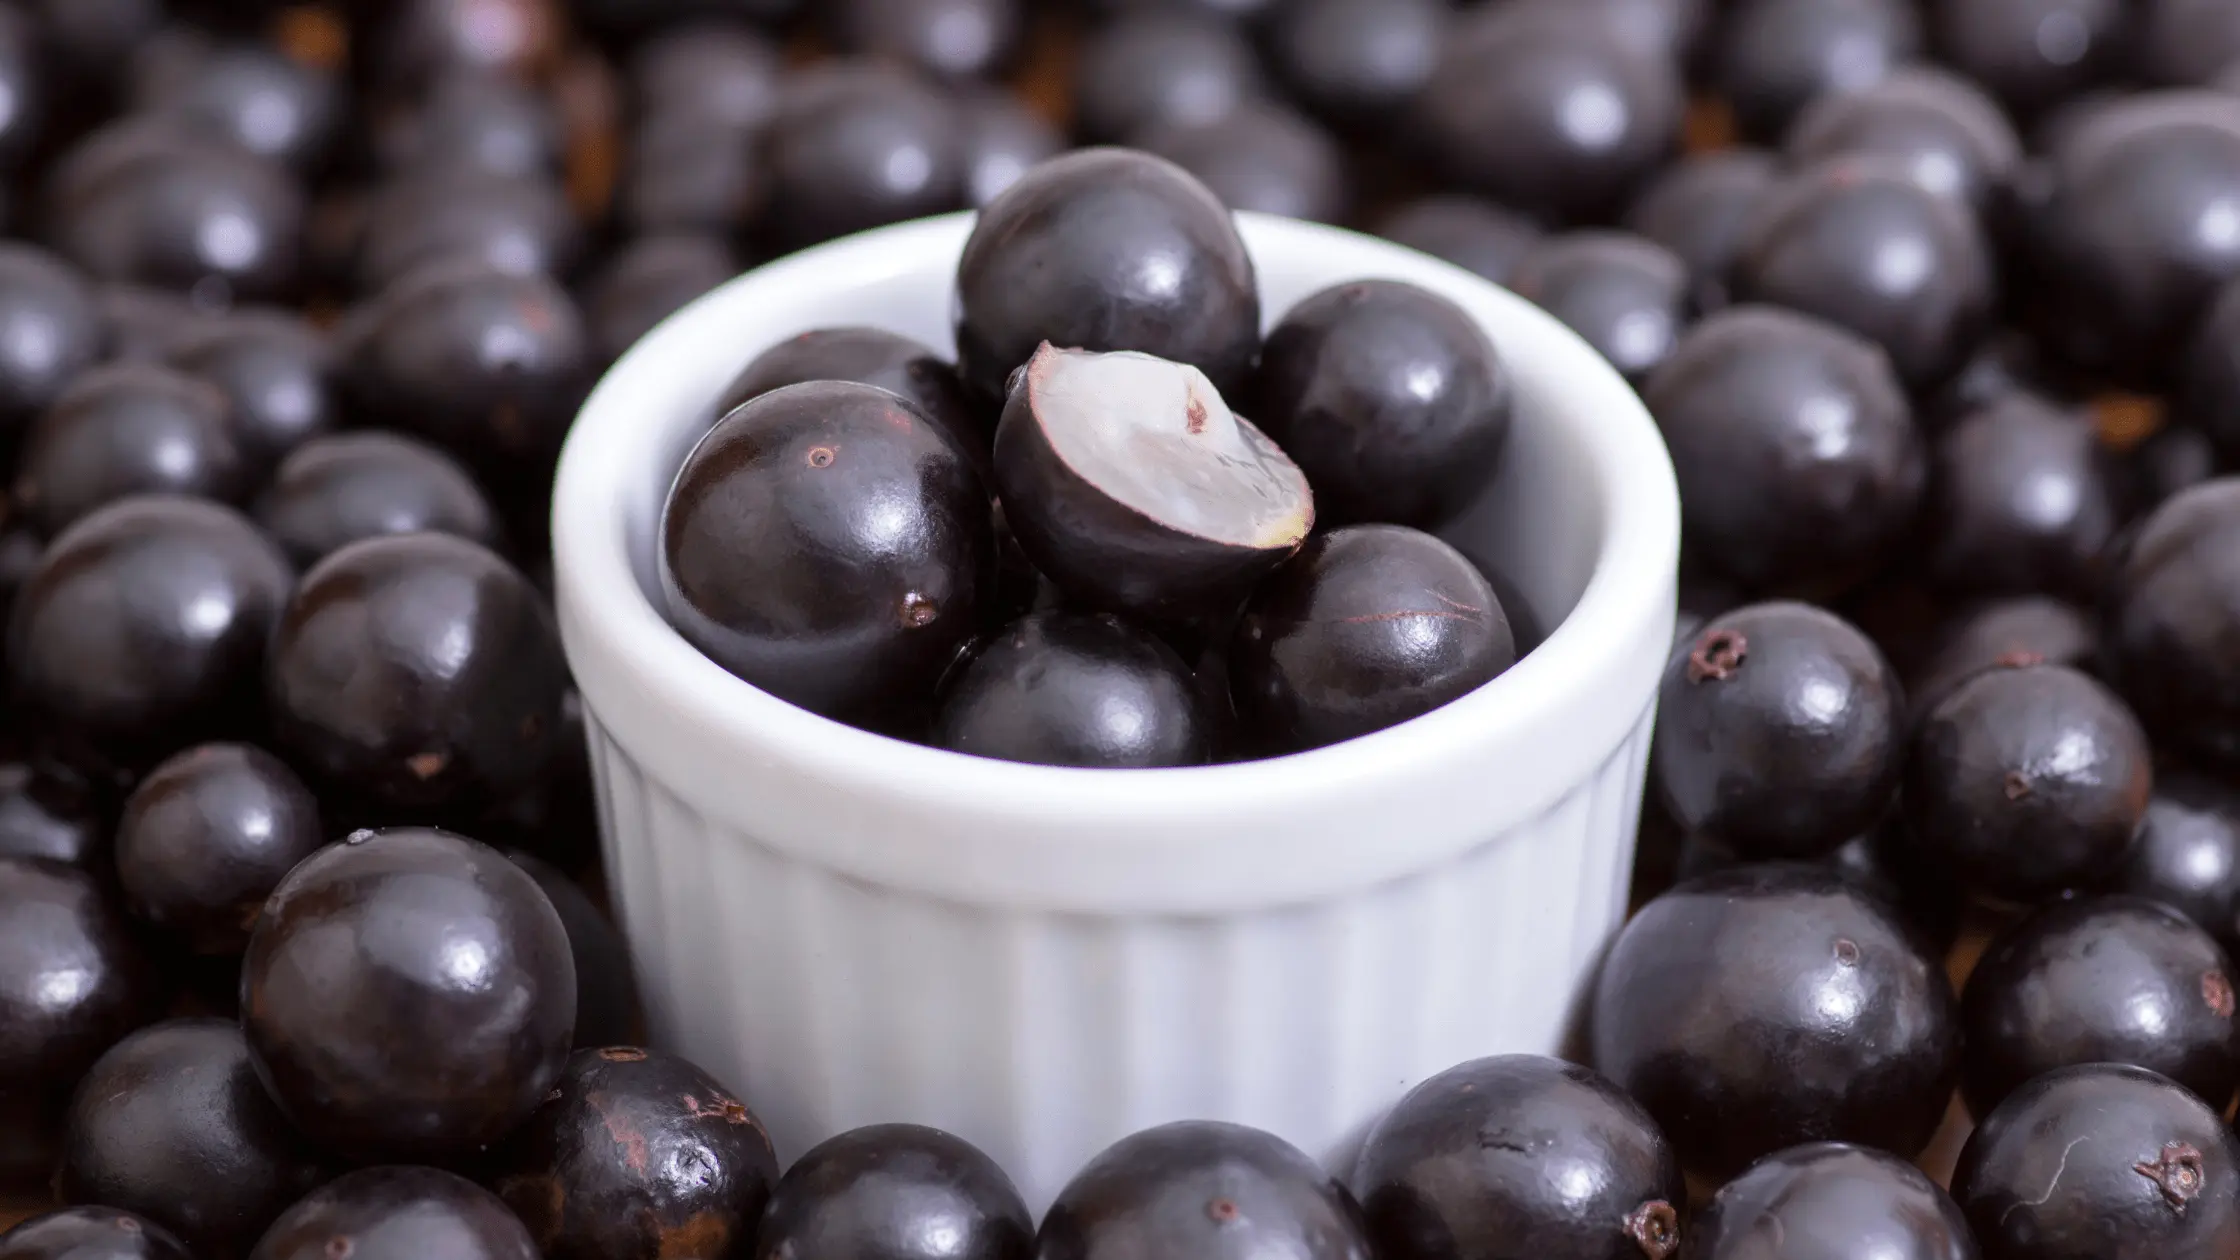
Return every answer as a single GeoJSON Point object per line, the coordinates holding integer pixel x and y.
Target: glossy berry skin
{"type": "Point", "coordinates": [2021, 499]}
{"type": "Point", "coordinates": [856, 147]}
{"type": "Point", "coordinates": [1363, 629]}
{"type": "Point", "coordinates": [248, 93]}
{"type": "Point", "coordinates": [1775, 56]}
{"type": "Point", "coordinates": [1473, 234]}
{"type": "Point", "coordinates": [488, 363]}
{"type": "Point", "coordinates": [2187, 41]}
{"type": "Point", "coordinates": [207, 836]}
{"type": "Point", "coordinates": [1519, 1156]}
{"type": "Point", "coordinates": [2173, 599]}
{"type": "Point", "coordinates": [1203, 1188]}
{"type": "Point", "coordinates": [419, 42]}
{"type": "Point", "coordinates": [1356, 63]}
{"type": "Point", "coordinates": [2100, 980]}
{"type": "Point", "coordinates": [2208, 388]}
{"type": "Point", "coordinates": [408, 994]}
{"type": "Point", "coordinates": [336, 490]}
{"type": "Point", "coordinates": [397, 1213]}
{"type": "Point", "coordinates": [1857, 241]}
{"type": "Point", "coordinates": [2031, 54]}
{"type": "Point", "coordinates": [1106, 249]}
{"type": "Point", "coordinates": [152, 201]}
{"type": "Point", "coordinates": [712, 66]}
{"type": "Point", "coordinates": [2003, 632]}
{"type": "Point", "coordinates": [89, 1233]}
{"type": "Point", "coordinates": [146, 323]}
{"type": "Point", "coordinates": [49, 812]}
{"type": "Point", "coordinates": [125, 429]}
{"type": "Point", "coordinates": [29, 77]}
{"type": "Point", "coordinates": [1763, 499]}
{"type": "Point", "coordinates": [276, 370]}
{"type": "Point", "coordinates": [870, 356]}
{"type": "Point", "coordinates": [649, 280]}
{"type": "Point", "coordinates": [2124, 235]}
{"type": "Point", "coordinates": [1700, 207]}
{"type": "Point", "coordinates": [1764, 1006]}
{"type": "Point", "coordinates": [1075, 689]}
{"type": "Point", "coordinates": [73, 978]}
{"type": "Point", "coordinates": [1939, 128]}
{"type": "Point", "coordinates": [144, 625]}
{"type": "Point", "coordinates": [607, 1004]}
{"type": "Point", "coordinates": [50, 331]}
{"type": "Point", "coordinates": [1831, 1201]}
{"type": "Point", "coordinates": [440, 620]}
{"type": "Point", "coordinates": [2187, 855]}
{"type": "Point", "coordinates": [1884, 861]}
{"type": "Point", "coordinates": [636, 1155]}
{"type": "Point", "coordinates": [677, 177]}
{"type": "Point", "coordinates": [959, 39]}
{"type": "Point", "coordinates": [769, 566]}
{"type": "Point", "coordinates": [1158, 66]}
{"type": "Point", "coordinates": [471, 123]}
{"type": "Point", "coordinates": [999, 138]}
{"type": "Point", "coordinates": [1780, 731]}
{"type": "Point", "coordinates": [1627, 296]}
{"type": "Point", "coordinates": [2174, 458]}
{"type": "Point", "coordinates": [512, 222]}
{"type": "Point", "coordinates": [1261, 157]}
{"type": "Point", "coordinates": [2101, 1162]}
{"type": "Point", "coordinates": [901, 1191]}
{"type": "Point", "coordinates": [2007, 362]}
{"type": "Point", "coordinates": [173, 1124]}
{"type": "Point", "coordinates": [1492, 117]}
{"type": "Point", "coordinates": [1389, 397]}
{"type": "Point", "coordinates": [2028, 780]}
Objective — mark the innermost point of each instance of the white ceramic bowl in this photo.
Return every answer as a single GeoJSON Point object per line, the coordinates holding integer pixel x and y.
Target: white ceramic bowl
{"type": "Point", "coordinates": [850, 929]}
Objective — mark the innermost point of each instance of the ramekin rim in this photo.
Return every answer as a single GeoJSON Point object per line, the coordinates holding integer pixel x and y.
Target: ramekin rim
{"type": "Point", "coordinates": [605, 611]}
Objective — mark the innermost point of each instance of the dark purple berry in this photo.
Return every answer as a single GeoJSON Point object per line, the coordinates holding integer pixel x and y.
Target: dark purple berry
{"type": "Point", "coordinates": [770, 563]}
{"type": "Point", "coordinates": [1780, 731]}
{"type": "Point", "coordinates": [1390, 398]}
{"type": "Point", "coordinates": [336, 490]}
{"type": "Point", "coordinates": [408, 994]}
{"type": "Point", "coordinates": [89, 1233]}
{"type": "Point", "coordinates": [73, 978]}
{"type": "Point", "coordinates": [1519, 1155]}
{"type": "Point", "coordinates": [2100, 1161]}
{"type": "Point", "coordinates": [1830, 1199]}
{"type": "Point", "coordinates": [144, 625]}
{"type": "Point", "coordinates": [124, 429]}
{"type": "Point", "coordinates": [437, 619]}
{"type": "Point", "coordinates": [1075, 689]}
{"type": "Point", "coordinates": [207, 836]}
{"type": "Point", "coordinates": [397, 1213]}
{"type": "Point", "coordinates": [1202, 1188]}
{"type": "Point", "coordinates": [1365, 628]}
{"type": "Point", "coordinates": [636, 1155]}
{"type": "Point", "coordinates": [1106, 249]}
{"type": "Point", "coordinates": [2100, 980]}
{"type": "Point", "coordinates": [173, 1124]}
{"type": "Point", "coordinates": [1757, 1008]}
{"type": "Point", "coordinates": [2027, 780]}
{"type": "Point", "coordinates": [1796, 451]}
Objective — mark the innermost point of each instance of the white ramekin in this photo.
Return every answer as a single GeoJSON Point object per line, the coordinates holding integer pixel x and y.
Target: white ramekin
{"type": "Point", "coordinates": [850, 929]}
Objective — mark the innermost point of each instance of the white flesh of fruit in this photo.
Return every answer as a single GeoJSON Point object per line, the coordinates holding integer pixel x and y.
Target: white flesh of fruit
{"type": "Point", "coordinates": [1156, 437]}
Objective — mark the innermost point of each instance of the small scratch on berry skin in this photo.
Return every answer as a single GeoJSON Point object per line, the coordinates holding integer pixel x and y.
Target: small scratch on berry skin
{"type": "Point", "coordinates": [2051, 1186]}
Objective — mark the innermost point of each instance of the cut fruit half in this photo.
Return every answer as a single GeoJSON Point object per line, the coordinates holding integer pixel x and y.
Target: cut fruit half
{"type": "Point", "coordinates": [1131, 484]}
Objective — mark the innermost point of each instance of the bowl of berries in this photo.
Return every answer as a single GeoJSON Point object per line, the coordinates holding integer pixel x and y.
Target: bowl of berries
{"type": "Point", "coordinates": [1223, 694]}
